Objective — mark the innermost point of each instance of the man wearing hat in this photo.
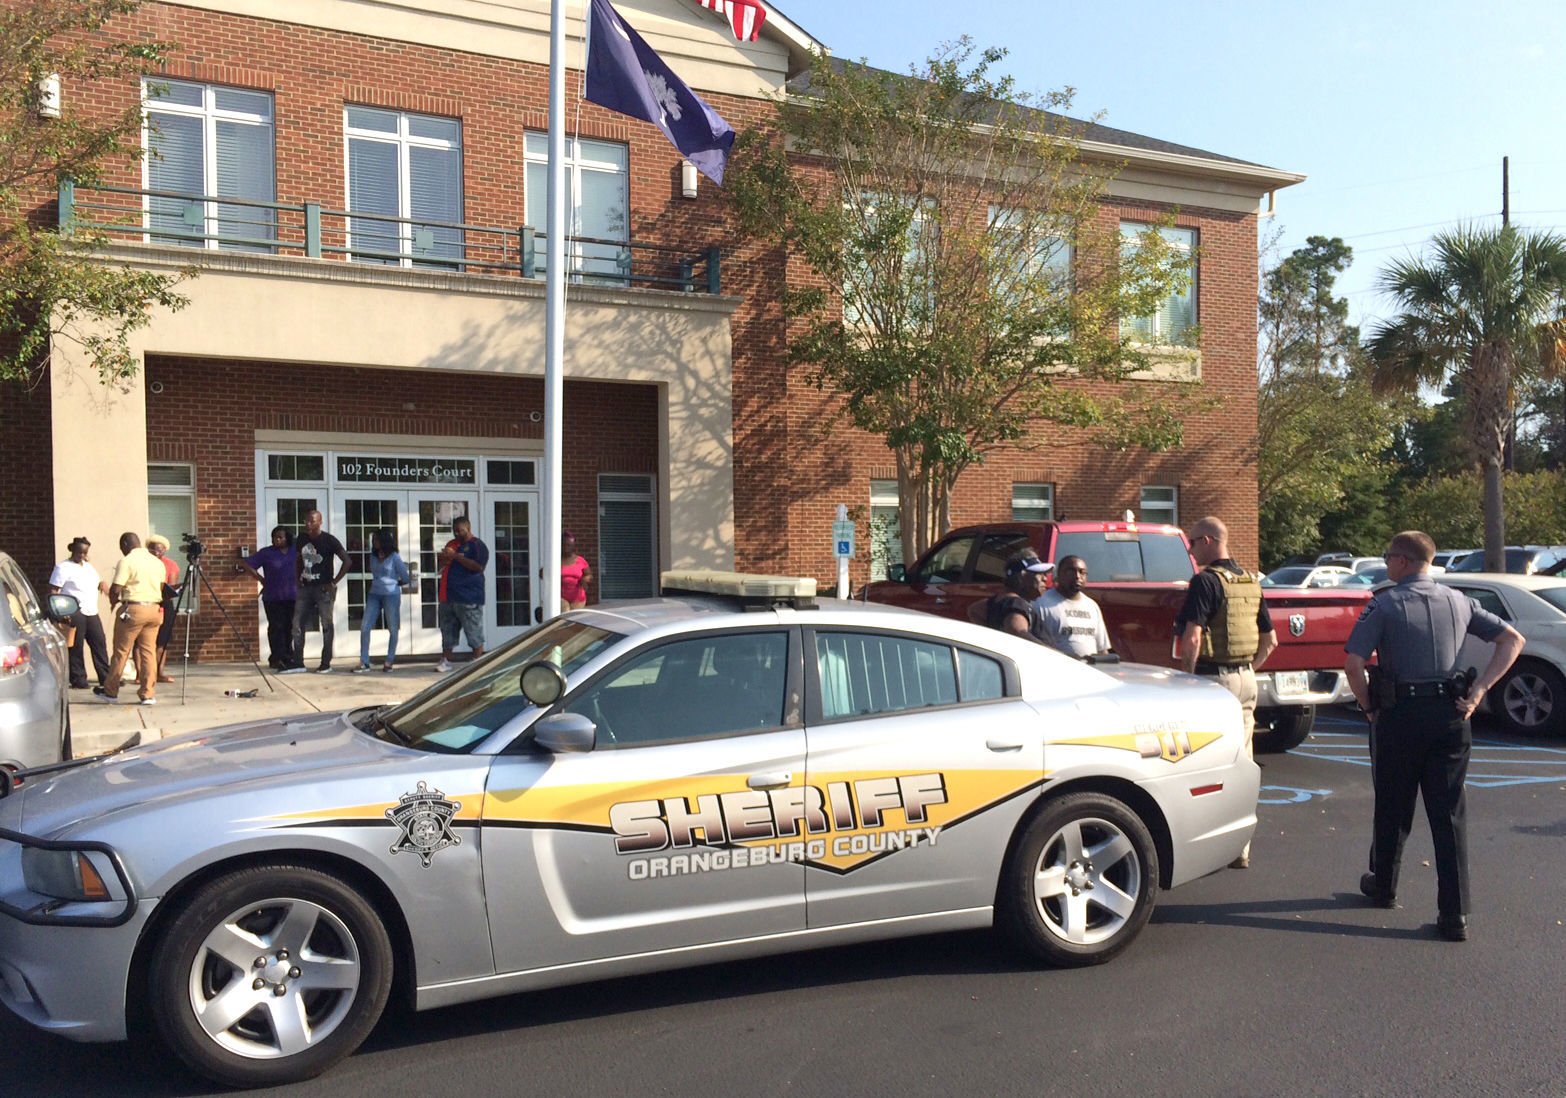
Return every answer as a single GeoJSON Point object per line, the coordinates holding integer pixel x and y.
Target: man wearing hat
{"type": "Point", "coordinates": [158, 546]}
{"type": "Point", "coordinates": [80, 580]}
{"type": "Point", "coordinates": [1012, 611]}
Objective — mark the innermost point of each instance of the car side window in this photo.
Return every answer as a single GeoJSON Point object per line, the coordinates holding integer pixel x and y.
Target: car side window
{"type": "Point", "coordinates": [981, 678]}
{"type": "Point", "coordinates": [1488, 600]}
{"type": "Point", "coordinates": [13, 603]}
{"type": "Point", "coordinates": [946, 564]}
{"type": "Point", "coordinates": [996, 549]}
{"type": "Point", "coordinates": [700, 687]}
{"type": "Point", "coordinates": [19, 596]}
{"type": "Point", "coordinates": [864, 674]}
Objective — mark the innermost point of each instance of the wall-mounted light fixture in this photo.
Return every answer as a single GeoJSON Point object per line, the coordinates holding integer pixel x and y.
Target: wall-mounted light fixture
{"type": "Point", "coordinates": [687, 179]}
{"type": "Point", "coordinates": [49, 96]}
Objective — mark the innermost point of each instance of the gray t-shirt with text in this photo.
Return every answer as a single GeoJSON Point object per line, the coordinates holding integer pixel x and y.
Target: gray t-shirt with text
{"type": "Point", "coordinates": [1074, 625]}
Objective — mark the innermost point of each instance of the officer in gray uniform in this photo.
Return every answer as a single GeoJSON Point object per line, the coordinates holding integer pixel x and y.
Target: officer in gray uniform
{"type": "Point", "coordinates": [1420, 704]}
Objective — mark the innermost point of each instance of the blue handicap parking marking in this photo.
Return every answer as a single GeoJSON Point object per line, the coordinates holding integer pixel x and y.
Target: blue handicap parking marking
{"type": "Point", "coordinates": [1493, 764]}
{"type": "Point", "coordinates": [1288, 794]}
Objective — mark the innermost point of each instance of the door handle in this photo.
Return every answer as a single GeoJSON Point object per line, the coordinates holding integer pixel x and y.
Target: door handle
{"type": "Point", "coordinates": [1003, 745]}
{"type": "Point", "coordinates": [772, 780]}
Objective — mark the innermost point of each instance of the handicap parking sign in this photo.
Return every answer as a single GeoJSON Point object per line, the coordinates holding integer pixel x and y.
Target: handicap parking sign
{"type": "Point", "coordinates": [843, 538]}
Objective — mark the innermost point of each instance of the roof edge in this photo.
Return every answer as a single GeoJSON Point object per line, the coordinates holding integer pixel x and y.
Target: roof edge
{"type": "Point", "coordinates": [1275, 178]}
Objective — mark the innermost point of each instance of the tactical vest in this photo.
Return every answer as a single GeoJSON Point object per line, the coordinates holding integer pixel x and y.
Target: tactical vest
{"type": "Point", "coordinates": [1232, 636]}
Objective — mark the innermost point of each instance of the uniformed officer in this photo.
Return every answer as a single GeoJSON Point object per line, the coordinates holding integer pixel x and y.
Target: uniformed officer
{"type": "Point", "coordinates": [1224, 630]}
{"type": "Point", "coordinates": [1420, 708]}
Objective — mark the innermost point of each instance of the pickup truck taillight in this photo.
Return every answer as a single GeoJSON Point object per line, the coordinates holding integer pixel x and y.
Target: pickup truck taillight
{"type": "Point", "coordinates": [13, 658]}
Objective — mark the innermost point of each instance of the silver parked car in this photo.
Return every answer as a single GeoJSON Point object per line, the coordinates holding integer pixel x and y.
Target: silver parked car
{"type": "Point", "coordinates": [35, 717]}
{"type": "Point", "coordinates": [627, 788]}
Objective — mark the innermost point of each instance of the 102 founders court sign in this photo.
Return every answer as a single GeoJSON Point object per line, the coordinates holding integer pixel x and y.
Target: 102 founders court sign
{"type": "Point", "coordinates": [406, 470]}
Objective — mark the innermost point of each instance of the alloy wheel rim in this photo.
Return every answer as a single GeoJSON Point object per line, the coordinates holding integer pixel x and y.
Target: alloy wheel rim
{"type": "Point", "coordinates": [1528, 700]}
{"type": "Point", "coordinates": [1087, 881]}
{"type": "Point", "coordinates": [274, 979]}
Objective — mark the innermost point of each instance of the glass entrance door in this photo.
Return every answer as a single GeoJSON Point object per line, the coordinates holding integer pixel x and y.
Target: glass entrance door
{"type": "Point", "coordinates": [363, 516]}
{"type": "Point", "coordinates": [513, 531]}
{"type": "Point", "coordinates": [430, 515]}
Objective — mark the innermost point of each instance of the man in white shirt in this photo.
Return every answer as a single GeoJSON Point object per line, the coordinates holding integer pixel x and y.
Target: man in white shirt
{"type": "Point", "coordinates": [80, 580]}
{"type": "Point", "coordinates": [1072, 622]}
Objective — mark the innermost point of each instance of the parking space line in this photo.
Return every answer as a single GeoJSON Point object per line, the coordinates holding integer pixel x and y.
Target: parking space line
{"type": "Point", "coordinates": [1486, 755]}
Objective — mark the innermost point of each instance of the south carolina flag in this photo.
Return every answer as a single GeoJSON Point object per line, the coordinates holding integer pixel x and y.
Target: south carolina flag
{"type": "Point", "coordinates": [625, 75]}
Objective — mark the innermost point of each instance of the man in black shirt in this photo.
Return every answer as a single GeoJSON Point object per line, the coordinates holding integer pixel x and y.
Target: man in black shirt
{"type": "Point", "coordinates": [317, 588]}
{"type": "Point", "coordinates": [1012, 611]}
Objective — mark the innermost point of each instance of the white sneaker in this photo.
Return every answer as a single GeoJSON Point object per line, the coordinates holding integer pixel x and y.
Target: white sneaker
{"type": "Point", "coordinates": [149, 701]}
{"type": "Point", "coordinates": [293, 671]}
{"type": "Point", "coordinates": [442, 667]}
{"type": "Point", "coordinates": [361, 669]}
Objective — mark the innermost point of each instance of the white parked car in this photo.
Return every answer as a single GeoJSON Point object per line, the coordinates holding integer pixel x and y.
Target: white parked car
{"type": "Point", "coordinates": [1305, 575]}
{"type": "Point", "coordinates": [1531, 699]}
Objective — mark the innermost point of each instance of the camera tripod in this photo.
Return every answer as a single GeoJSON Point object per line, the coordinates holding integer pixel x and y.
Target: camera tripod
{"type": "Point", "coordinates": [194, 572]}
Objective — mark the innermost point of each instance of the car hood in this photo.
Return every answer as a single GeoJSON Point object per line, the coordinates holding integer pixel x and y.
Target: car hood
{"type": "Point", "coordinates": [257, 755]}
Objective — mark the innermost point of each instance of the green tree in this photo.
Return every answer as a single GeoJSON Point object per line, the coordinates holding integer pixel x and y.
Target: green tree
{"type": "Point", "coordinates": [1320, 472]}
{"type": "Point", "coordinates": [1483, 308]}
{"type": "Point", "coordinates": [51, 286]}
{"type": "Point", "coordinates": [1448, 508]}
{"type": "Point", "coordinates": [961, 284]}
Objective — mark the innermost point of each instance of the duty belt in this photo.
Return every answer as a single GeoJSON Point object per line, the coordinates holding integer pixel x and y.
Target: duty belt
{"type": "Point", "coordinates": [1205, 668]}
{"type": "Point", "coordinates": [1436, 689]}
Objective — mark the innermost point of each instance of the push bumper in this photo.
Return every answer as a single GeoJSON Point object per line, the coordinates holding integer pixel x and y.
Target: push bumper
{"type": "Point", "coordinates": [70, 980]}
{"type": "Point", "coordinates": [1278, 689]}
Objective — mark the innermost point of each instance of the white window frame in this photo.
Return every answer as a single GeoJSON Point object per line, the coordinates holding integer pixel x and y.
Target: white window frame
{"type": "Point", "coordinates": [186, 491]}
{"type": "Point", "coordinates": [883, 499]}
{"type": "Point", "coordinates": [925, 213]}
{"type": "Point", "coordinates": [577, 162]}
{"type": "Point", "coordinates": [1182, 240]}
{"type": "Point", "coordinates": [210, 114]}
{"type": "Point", "coordinates": [1047, 258]}
{"type": "Point", "coordinates": [404, 140]}
{"type": "Point", "coordinates": [1022, 502]}
{"type": "Point", "coordinates": [1153, 505]}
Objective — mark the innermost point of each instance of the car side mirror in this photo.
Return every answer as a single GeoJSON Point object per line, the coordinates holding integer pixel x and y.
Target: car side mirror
{"type": "Point", "coordinates": [562, 733]}
{"type": "Point", "coordinates": [61, 607]}
{"type": "Point", "coordinates": [897, 573]}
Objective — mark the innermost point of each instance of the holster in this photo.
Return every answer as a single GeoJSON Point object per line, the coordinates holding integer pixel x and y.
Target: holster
{"type": "Point", "coordinates": [1383, 689]}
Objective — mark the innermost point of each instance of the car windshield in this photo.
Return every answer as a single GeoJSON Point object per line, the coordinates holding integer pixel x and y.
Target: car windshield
{"type": "Point", "coordinates": [456, 713]}
{"type": "Point", "coordinates": [1287, 577]}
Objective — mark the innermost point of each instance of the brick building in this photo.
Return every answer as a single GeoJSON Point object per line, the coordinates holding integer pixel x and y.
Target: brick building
{"type": "Point", "coordinates": [357, 188]}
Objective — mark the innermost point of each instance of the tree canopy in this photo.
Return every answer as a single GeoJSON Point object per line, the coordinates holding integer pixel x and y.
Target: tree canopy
{"type": "Point", "coordinates": [961, 282]}
{"type": "Point", "coordinates": [50, 286]}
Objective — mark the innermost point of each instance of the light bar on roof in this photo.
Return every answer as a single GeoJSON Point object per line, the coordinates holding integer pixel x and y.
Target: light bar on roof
{"type": "Point", "coordinates": [740, 585]}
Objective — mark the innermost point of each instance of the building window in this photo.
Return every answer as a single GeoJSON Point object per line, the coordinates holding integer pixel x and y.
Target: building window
{"type": "Point", "coordinates": [405, 186]}
{"type": "Point", "coordinates": [1032, 502]}
{"type": "Point", "coordinates": [627, 548]}
{"type": "Point", "coordinates": [598, 206]}
{"type": "Point", "coordinates": [171, 511]}
{"type": "Point", "coordinates": [508, 472]}
{"type": "Point", "coordinates": [886, 528]}
{"type": "Point", "coordinates": [1173, 321]}
{"type": "Point", "coordinates": [881, 276]}
{"type": "Point", "coordinates": [1160, 503]}
{"type": "Point", "coordinates": [305, 467]}
{"type": "Point", "coordinates": [1047, 259]}
{"type": "Point", "coordinates": [206, 143]}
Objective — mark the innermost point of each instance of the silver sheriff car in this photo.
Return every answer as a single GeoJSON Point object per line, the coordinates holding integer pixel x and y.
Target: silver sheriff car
{"type": "Point", "coordinates": [715, 775]}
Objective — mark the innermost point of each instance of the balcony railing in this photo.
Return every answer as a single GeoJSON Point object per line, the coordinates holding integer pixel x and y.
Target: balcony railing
{"type": "Point", "coordinates": [311, 230]}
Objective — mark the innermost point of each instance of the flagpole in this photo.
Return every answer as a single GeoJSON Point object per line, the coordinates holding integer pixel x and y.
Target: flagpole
{"type": "Point", "coordinates": [554, 318]}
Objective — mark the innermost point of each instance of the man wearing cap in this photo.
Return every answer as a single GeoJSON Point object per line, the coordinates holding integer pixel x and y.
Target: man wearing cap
{"type": "Point", "coordinates": [1012, 611]}
{"type": "Point", "coordinates": [158, 546]}
{"type": "Point", "coordinates": [1223, 630]}
{"type": "Point", "coordinates": [79, 579]}
{"type": "Point", "coordinates": [137, 591]}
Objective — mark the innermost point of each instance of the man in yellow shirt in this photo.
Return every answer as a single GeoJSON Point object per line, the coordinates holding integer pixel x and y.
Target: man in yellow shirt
{"type": "Point", "coordinates": [137, 593]}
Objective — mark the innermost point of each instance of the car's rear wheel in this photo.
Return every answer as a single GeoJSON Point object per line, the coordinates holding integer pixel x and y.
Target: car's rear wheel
{"type": "Point", "coordinates": [1081, 882]}
{"type": "Point", "coordinates": [270, 975]}
{"type": "Point", "coordinates": [1282, 729]}
{"type": "Point", "coordinates": [1531, 700]}
{"type": "Point", "coordinates": [65, 740]}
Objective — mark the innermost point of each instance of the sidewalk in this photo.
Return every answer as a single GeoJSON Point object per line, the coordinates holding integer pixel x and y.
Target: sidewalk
{"type": "Point", "coordinates": [98, 726]}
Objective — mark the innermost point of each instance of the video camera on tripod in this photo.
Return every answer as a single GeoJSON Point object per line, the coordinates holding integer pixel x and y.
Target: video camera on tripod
{"type": "Point", "coordinates": [191, 546]}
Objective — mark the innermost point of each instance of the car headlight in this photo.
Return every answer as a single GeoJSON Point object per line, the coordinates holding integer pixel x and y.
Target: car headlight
{"type": "Point", "coordinates": [62, 874]}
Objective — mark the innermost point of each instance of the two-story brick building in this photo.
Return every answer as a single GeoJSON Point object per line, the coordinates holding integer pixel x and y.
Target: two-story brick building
{"type": "Point", "coordinates": [361, 190]}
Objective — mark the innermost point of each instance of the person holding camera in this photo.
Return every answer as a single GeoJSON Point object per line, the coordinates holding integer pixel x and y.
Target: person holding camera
{"type": "Point", "coordinates": [317, 586]}
{"type": "Point", "coordinates": [276, 569]}
{"type": "Point", "coordinates": [1420, 710]}
{"type": "Point", "coordinates": [137, 591]}
{"type": "Point", "coordinates": [460, 610]}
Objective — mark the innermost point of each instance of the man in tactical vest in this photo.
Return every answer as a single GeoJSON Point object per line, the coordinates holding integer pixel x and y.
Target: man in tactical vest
{"type": "Point", "coordinates": [1223, 630]}
{"type": "Point", "coordinates": [1420, 702]}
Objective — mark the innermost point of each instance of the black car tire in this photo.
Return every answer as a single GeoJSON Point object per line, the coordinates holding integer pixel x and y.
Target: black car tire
{"type": "Point", "coordinates": [1530, 700]}
{"type": "Point", "coordinates": [65, 740]}
{"type": "Point", "coordinates": [1059, 904]}
{"type": "Point", "coordinates": [338, 938]}
{"type": "Point", "coordinates": [1282, 729]}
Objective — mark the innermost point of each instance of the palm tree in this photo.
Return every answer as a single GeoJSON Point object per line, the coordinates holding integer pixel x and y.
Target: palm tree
{"type": "Point", "coordinates": [1484, 308]}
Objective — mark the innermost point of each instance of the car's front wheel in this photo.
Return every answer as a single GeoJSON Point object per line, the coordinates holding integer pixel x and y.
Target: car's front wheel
{"type": "Point", "coordinates": [1082, 881]}
{"type": "Point", "coordinates": [270, 975]}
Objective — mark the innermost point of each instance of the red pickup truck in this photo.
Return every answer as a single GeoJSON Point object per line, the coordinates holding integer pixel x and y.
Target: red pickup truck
{"type": "Point", "coordinates": [1138, 573]}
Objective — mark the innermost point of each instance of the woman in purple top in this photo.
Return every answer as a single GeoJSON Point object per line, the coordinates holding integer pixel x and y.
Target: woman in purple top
{"type": "Point", "coordinates": [274, 568]}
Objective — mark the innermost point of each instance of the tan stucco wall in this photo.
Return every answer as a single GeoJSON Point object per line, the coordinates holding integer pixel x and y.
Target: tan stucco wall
{"type": "Point", "coordinates": [267, 308]}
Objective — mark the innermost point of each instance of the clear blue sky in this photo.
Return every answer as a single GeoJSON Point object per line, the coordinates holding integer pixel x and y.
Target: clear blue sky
{"type": "Point", "coordinates": [1399, 114]}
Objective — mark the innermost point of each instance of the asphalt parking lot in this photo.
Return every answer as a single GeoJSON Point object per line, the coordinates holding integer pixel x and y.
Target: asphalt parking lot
{"type": "Point", "coordinates": [1270, 981]}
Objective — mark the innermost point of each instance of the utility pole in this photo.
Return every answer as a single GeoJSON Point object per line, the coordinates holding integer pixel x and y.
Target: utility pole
{"type": "Point", "coordinates": [1506, 191]}
{"type": "Point", "coordinates": [1509, 462]}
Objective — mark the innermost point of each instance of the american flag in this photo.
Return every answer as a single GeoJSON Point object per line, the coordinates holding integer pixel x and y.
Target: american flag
{"type": "Point", "coordinates": [746, 16]}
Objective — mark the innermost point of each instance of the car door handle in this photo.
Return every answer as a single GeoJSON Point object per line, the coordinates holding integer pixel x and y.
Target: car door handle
{"type": "Point", "coordinates": [772, 780]}
{"type": "Point", "coordinates": [1003, 745]}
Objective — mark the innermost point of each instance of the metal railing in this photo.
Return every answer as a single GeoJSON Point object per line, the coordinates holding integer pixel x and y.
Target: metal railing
{"type": "Point", "coordinates": [313, 231]}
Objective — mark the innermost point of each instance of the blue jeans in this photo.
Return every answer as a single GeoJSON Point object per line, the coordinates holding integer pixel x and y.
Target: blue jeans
{"type": "Point", "coordinates": [374, 604]}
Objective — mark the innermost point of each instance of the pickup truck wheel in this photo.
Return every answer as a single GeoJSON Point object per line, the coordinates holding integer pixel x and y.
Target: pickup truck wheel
{"type": "Point", "coordinates": [1531, 700]}
{"type": "Point", "coordinates": [1081, 883]}
{"type": "Point", "coordinates": [270, 975]}
{"type": "Point", "coordinates": [1280, 730]}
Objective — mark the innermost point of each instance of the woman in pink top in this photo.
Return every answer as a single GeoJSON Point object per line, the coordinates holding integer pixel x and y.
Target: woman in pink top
{"type": "Point", "coordinates": [574, 574]}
